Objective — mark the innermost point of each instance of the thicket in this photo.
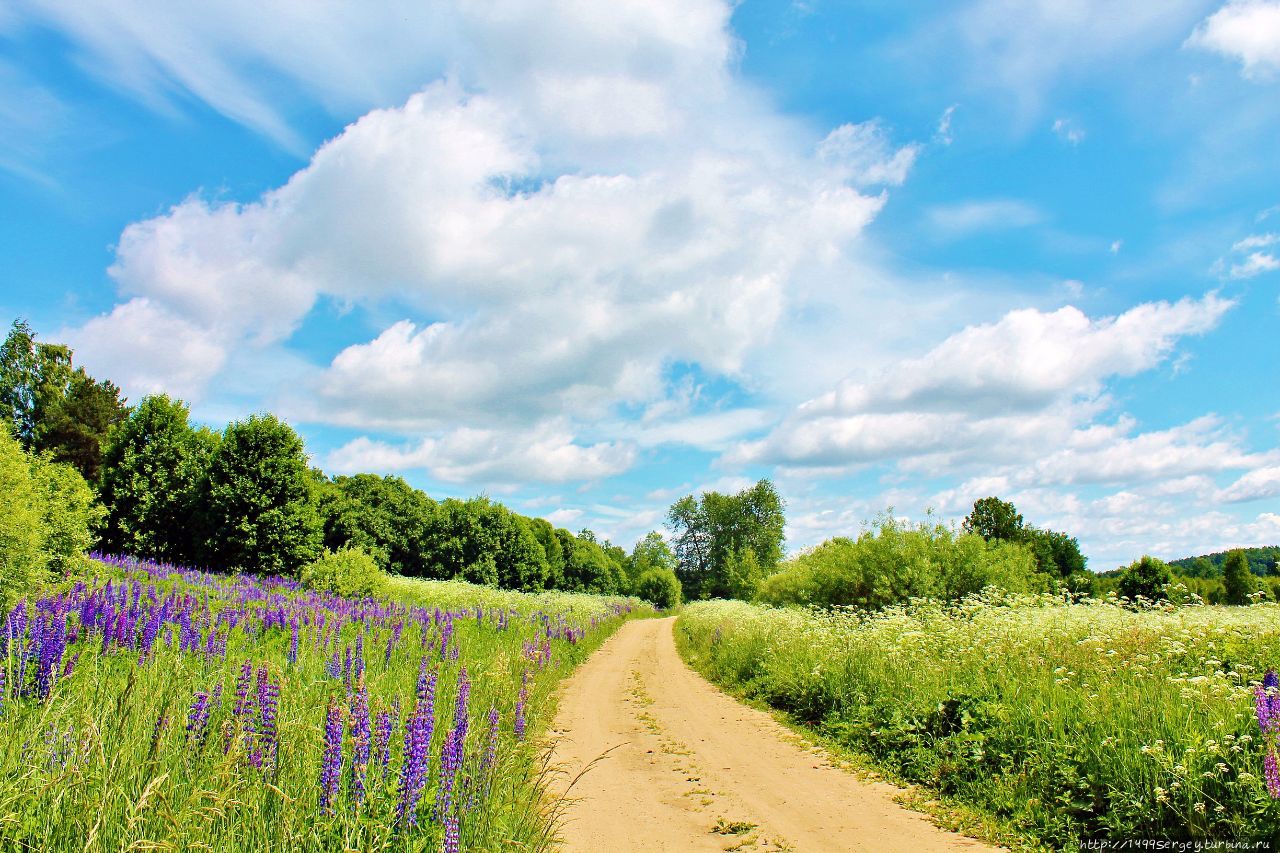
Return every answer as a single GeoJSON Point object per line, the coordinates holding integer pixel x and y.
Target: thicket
{"type": "Point", "coordinates": [47, 517]}
{"type": "Point", "coordinates": [896, 561]}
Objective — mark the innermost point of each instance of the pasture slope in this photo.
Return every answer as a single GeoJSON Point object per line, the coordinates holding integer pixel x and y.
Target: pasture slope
{"type": "Point", "coordinates": [652, 757]}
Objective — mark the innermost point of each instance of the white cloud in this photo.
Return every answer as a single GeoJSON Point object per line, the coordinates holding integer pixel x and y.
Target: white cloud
{"type": "Point", "coordinates": [1255, 485]}
{"type": "Point", "coordinates": [146, 350]}
{"type": "Point", "coordinates": [1247, 31]}
{"type": "Point", "coordinates": [1256, 241]}
{"type": "Point", "coordinates": [1116, 245]}
{"type": "Point", "coordinates": [998, 391]}
{"type": "Point", "coordinates": [548, 454]}
{"type": "Point", "coordinates": [943, 134]}
{"type": "Point", "coordinates": [969, 217]}
{"type": "Point", "coordinates": [864, 155]}
{"type": "Point", "coordinates": [1256, 263]}
{"type": "Point", "coordinates": [1068, 131]}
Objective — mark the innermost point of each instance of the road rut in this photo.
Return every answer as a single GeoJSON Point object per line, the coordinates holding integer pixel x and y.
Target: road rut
{"type": "Point", "coordinates": [669, 760]}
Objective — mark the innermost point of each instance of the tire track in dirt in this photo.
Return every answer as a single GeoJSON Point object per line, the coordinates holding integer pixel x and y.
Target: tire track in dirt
{"type": "Point", "coordinates": [653, 757]}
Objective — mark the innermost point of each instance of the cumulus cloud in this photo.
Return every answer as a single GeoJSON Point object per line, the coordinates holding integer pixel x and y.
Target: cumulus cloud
{"type": "Point", "coordinates": [1256, 263]}
{"type": "Point", "coordinates": [466, 455]}
{"type": "Point", "coordinates": [1031, 380]}
{"type": "Point", "coordinates": [1247, 31]}
{"type": "Point", "coordinates": [1255, 485]}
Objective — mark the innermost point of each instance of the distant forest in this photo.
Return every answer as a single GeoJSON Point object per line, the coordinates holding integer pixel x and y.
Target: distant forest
{"type": "Point", "coordinates": [1262, 562]}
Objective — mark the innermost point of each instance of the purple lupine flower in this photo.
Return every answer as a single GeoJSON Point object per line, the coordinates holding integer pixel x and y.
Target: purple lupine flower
{"type": "Point", "coordinates": [451, 839]}
{"type": "Point", "coordinates": [357, 661]}
{"type": "Point", "coordinates": [1272, 773]}
{"type": "Point", "coordinates": [334, 666]}
{"type": "Point", "coordinates": [521, 701]}
{"type": "Point", "coordinates": [243, 683]}
{"type": "Point", "coordinates": [382, 740]}
{"type": "Point", "coordinates": [417, 744]}
{"type": "Point", "coordinates": [268, 740]}
{"type": "Point", "coordinates": [2, 674]}
{"type": "Point", "coordinates": [362, 736]}
{"type": "Point", "coordinates": [455, 744]}
{"type": "Point", "coordinates": [331, 764]}
{"type": "Point", "coordinates": [491, 754]}
{"type": "Point", "coordinates": [162, 722]}
{"type": "Point", "coordinates": [198, 720]}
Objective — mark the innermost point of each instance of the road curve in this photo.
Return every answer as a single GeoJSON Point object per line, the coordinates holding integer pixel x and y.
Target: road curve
{"type": "Point", "coordinates": [653, 757]}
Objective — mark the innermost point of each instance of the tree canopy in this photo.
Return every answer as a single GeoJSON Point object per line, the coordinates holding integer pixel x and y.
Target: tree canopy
{"type": "Point", "coordinates": [725, 544]}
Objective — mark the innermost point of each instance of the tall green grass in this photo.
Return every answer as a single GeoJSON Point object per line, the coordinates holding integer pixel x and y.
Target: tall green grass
{"type": "Point", "coordinates": [105, 762]}
{"type": "Point", "coordinates": [1068, 721]}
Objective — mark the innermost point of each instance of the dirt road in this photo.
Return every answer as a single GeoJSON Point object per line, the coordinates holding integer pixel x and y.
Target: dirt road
{"type": "Point", "coordinates": [675, 764]}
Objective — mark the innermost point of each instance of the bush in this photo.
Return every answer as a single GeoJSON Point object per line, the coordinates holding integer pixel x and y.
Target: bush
{"type": "Point", "coordinates": [47, 515]}
{"type": "Point", "coordinates": [898, 561]}
{"type": "Point", "coordinates": [348, 572]}
{"type": "Point", "coordinates": [1145, 578]}
{"type": "Point", "coordinates": [660, 587]}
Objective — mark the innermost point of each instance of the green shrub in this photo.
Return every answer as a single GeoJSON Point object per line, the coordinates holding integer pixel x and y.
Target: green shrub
{"type": "Point", "coordinates": [898, 561]}
{"type": "Point", "coordinates": [659, 587]}
{"type": "Point", "coordinates": [348, 572]}
{"type": "Point", "coordinates": [22, 525]}
{"type": "Point", "coordinates": [1145, 578]}
{"type": "Point", "coordinates": [47, 517]}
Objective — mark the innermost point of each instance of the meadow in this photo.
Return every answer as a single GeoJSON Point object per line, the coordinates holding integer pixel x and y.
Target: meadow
{"type": "Point", "coordinates": [147, 707]}
{"type": "Point", "coordinates": [1063, 720]}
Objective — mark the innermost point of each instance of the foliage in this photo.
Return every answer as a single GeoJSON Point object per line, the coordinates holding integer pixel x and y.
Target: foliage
{"type": "Point", "coordinates": [711, 535]}
{"type": "Point", "coordinates": [588, 567]}
{"type": "Point", "coordinates": [70, 513]}
{"type": "Point", "coordinates": [348, 572]}
{"type": "Point", "coordinates": [483, 542]}
{"type": "Point", "coordinates": [992, 518]}
{"type": "Point", "coordinates": [896, 561]}
{"type": "Point", "coordinates": [22, 556]}
{"type": "Point", "coordinates": [154, 473]}
{"type": "Point", "coordinates": [257, 507]}
{"type": "Point", "coordinates": [1262, 561]}
{"type": "Point", "coordinates": [1069, 721]}
{"type": "Point", "coordinates": [47, 514]}
{"type": "Point", "coordinates": [1145, 578]}
{"type": "Point", "coordinates": [659, 587]}
{"type": "Point", "coordinates": [385, 516]}
{"type": "Point", "coordinates": [51, 406]}
{"type": "Point", "coordinates": [247, 714]}
{"type": "Point", "coordinates": [1237, 581]}
{"type": "Point", "coordinates": [1056, 553]}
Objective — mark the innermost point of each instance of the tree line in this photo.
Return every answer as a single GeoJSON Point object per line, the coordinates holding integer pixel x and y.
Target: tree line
{"type": "Point", "coordinates": [150, 483]}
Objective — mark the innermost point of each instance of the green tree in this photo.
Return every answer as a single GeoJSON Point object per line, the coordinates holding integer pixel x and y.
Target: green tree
{"type": "Point", "coordinates": [1238, 581]}
{"type": "Point", "coordinates": [659, 587]}
{"type": "Point", "coordinates": [588, 567]}
{"type": "Point", "coordinates": [711, 535]}
{"type": "Point", "coordinates": [545, 532]}
{"type": "Point", "coordinates": [1146, 578]}
{"type": "Point", "coordinates": [53, 407]}
{"type": "Point", "coordinates": [23, 560]}
{"type": "Point", "coordinates": [651, 552]}
{"type": "Point", "coordinates": [484, 542]}
{"type": "Point", "coordinates": [257, 506]}
{"type": "Point", "coordinates": [154, 467]}
{"type": "Point", "coordinates": [47, 515]}
{"type": "Point", "coordinates": [992, 518]}
{"type": "Point", "coordinates": [384, 516]}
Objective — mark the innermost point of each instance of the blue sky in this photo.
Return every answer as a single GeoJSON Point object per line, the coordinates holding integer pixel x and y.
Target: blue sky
{"type": "Point", "coordinates": [587, 258]}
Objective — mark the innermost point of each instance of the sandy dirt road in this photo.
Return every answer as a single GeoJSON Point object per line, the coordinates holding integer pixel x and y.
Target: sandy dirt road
{"type": "Point", "coordinates": [669, 758]}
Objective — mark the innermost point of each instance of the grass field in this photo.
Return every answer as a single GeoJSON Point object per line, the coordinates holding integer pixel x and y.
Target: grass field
{"type": "Point", "coordinates": [147, 708]}
{"type": "Point", "coordinates": [1065, 721]}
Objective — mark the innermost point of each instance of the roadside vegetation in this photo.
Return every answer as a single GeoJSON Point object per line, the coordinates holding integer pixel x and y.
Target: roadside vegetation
{"type": "Point", "coordinates": [1066, 720]}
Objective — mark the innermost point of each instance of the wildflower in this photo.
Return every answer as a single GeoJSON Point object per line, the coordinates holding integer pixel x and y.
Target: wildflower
{"type": "Point", "coordinates": [362, 736]}
{"type": "Point", "coordinates": [331, 765]}
{"type": "Point", "coordinates": [417, 743]}
{"type": "Point", "coordinates": [198, 720]}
